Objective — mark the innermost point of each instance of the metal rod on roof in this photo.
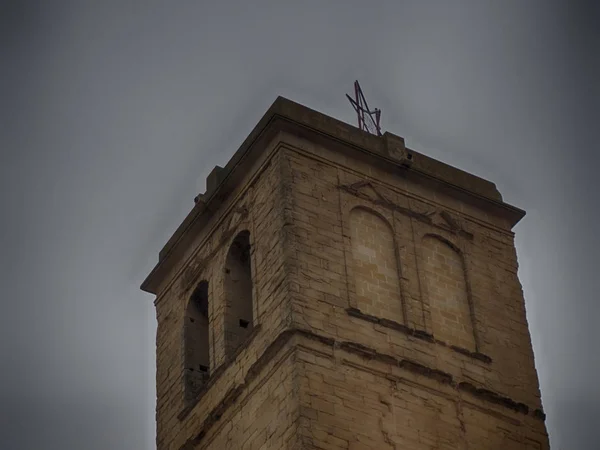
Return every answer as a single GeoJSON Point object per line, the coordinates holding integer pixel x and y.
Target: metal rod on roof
{"type": "Point", "coordinates": [359, 103]}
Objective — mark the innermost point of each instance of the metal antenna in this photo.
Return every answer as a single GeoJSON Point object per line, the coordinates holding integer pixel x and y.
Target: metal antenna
{"type": "Point", "coordinates": [362, 111]}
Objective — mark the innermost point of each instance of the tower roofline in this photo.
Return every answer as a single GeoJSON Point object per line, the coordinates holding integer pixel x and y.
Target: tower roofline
{"type": "Point", "coordinates": [287, 116]}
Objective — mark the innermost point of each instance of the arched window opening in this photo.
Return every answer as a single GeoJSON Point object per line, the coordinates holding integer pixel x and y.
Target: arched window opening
{"type": "Point", "coordinates": [238, 292]}
{"type": "Point", "coordinates": [196, 341]}
{"type": "Point", "coordinates": [448, 294]}
{"type": "Point", "coordinates": [375, 265]}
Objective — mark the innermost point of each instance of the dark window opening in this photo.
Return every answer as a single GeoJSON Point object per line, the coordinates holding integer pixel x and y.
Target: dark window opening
{"type": "Point", "coordinates": [238, 291]}
{"type": "Point", "coordinates": [196, 342]}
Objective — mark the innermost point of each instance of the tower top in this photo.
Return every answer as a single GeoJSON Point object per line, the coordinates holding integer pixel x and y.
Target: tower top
{"type": "Point", "coordinates": [387, 150]}
{"type": "Point", "coordinates": [323, 255]}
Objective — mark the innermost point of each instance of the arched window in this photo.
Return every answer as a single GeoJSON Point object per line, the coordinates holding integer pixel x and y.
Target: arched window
{"type": "Point", "coordinates": [196, 341]}
{"type": "Point", "coordinates": [448, 295]}
{"type": "Point", "coordinates": [238, 292]}
{"type": "Point", "coordinates": [375, 265]}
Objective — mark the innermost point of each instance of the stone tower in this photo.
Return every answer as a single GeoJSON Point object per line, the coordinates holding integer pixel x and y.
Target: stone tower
{"type": "Point", "coordinates": [333, 289]}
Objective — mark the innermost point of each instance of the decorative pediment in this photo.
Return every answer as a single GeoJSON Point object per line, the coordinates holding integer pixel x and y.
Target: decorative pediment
{"type": "Point", "coordinates": [226, 231]}
{"type": "Point", "coordinates": [423, 210]}
{"type": "Point", "coordinates": [231, 224]}
{"type": "Point", "coordinates": [195, 266]}
{"type": "Point", "coordinates": [444, 219]}
{"type": "Point", "coordinates": [439, 218]}
{"type": "Point", "coordinates": [236, 216]}
{"type": "Point", "coordinates": [366, 190]}
{"type": "Point", "coordinates": [447, 221]}
{"type": "Point", "coordinates": [419, 210]}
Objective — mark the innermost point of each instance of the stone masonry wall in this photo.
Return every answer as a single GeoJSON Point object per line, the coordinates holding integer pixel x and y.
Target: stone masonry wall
{"type": "Point", "coordinates": [351, 401]}
{"type": "Point", "coordinates": [375, 265]}
{"type": "Point", "coordinates": [457, 309]}
{"type": "Point", "coordinates": [256, 206]}
{"type": "Point", "coordinates": [265, 415]}
{"type": "Point", "coordinates": [448, 293]}
{"type": "Point", "coordinates": [385, 315]}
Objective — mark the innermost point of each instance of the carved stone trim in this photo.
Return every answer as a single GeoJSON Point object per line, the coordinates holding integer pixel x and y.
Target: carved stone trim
{"type": "Point", "coordinates": [196, 266]}
{"type": "Point", "coordinates": [445, 220]}
{"type": "Point", "coordinates": [419, 334]}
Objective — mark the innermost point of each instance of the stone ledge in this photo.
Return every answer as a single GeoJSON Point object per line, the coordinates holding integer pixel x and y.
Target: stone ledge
{"type": "Point", "coordinates": [493, 397]}
{"type": "Point", "coordinates": [217, 374]}
{"type": "Point", "coordinates": [234, 392]}
{"type": "Point", "coordinates": [419, 334]}
{"type": "Point", "coordinates": [442, 377]}
{"type": "Point", "coordinates": [539, 414]}
{"type": "Point", "coordinates": [271, 351]}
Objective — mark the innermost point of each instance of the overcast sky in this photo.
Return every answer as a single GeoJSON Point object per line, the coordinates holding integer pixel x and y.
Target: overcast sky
{"type": "Point", "coordinates": [112, 115]}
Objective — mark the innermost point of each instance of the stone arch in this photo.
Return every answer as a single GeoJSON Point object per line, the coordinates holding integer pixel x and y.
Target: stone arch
{"type": "Point", "coordinates": [375, 265]}
{"type": "Point", "coordinates": [196, 341]}
{"type": "Point", "coordinates": [238, 293]}
{"type": "Point", "coordinates": [448, 292]}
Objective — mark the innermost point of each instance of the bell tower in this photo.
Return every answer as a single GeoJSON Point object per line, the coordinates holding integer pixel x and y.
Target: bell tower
{"type": "Point", "coordinates": [333, 289]}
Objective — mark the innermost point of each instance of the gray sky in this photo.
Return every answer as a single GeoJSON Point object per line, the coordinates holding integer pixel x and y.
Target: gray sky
{"type": "Point", "coordinates": [112, 115]}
